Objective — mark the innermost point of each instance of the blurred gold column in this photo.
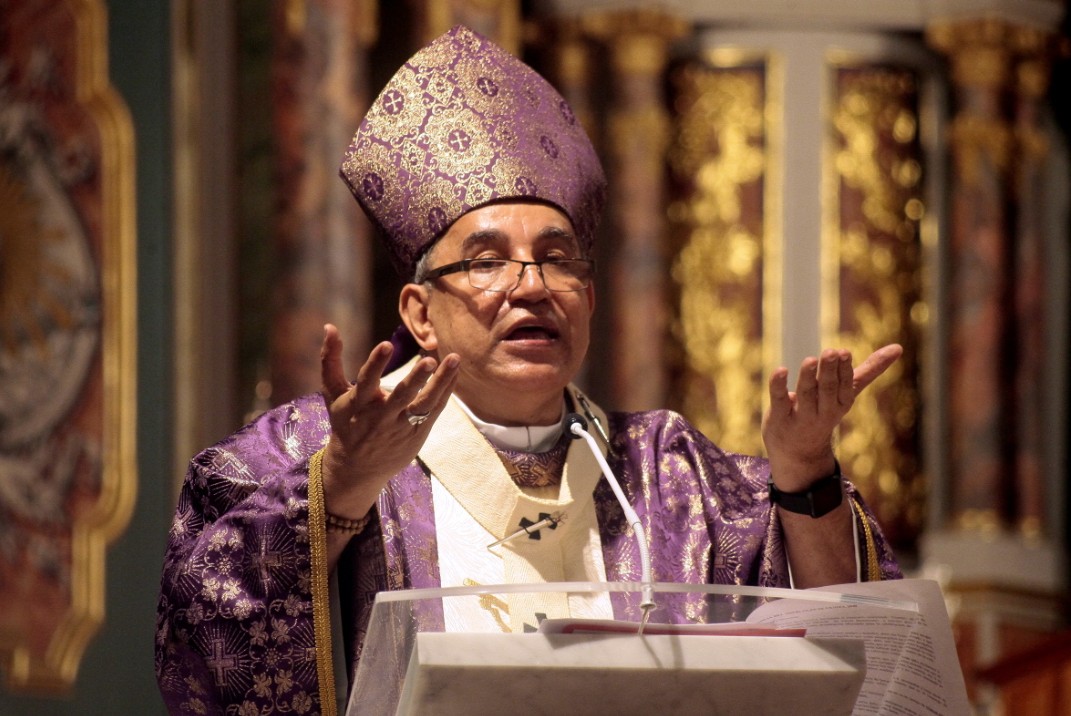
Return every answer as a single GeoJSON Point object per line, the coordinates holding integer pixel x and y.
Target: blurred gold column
{"type": "Point", "coordinates": [567, 53]}
{"type": "Point", "coordinates": [1005, 568]}
{"type": "Point", "coordinates": [500, 20]}
{"type": "Point", "coordinates": [1030, 85]}
{"type": "Point", "coordinates": [981, 467]}
{"type": "Point", "coordinates": [571, 68]}
{"type": "Point", "coordinates": [638, 136]}
{"type": "Point", "coordinates": [320, 92]}
{"type": "Point", "coordinates": [997, 297]}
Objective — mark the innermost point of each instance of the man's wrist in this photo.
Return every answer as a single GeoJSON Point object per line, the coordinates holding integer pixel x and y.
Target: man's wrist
{"type": "Point", "coordinates": [822, 497]}
{"type": "Point", "coordinates": [346, 499]}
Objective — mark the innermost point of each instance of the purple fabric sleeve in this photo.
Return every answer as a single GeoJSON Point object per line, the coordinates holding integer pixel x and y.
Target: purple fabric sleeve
{"type": "Point", "coordinates": [234, 626]}
{"type": "Point", "coordinates": [235, 623]}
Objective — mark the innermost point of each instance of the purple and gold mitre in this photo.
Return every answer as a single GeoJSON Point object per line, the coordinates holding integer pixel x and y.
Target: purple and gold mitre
{"type": "Point", "coordinates": [461, 124]}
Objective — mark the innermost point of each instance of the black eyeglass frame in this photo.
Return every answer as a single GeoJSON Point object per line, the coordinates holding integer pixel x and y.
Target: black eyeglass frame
{"type": "Point", "coordinates": [464, 264]}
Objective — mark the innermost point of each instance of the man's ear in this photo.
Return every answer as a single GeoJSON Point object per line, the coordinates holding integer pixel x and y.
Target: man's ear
{"type": "Point", "coordinates": [413, 308]}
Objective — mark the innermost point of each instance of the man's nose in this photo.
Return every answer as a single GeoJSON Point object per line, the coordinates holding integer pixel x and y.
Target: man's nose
{"type": "Point", "coordinates": [530, 281]}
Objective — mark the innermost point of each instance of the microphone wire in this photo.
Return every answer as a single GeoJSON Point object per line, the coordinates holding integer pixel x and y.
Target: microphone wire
{"type": "Point", "coordinates": [577, 427]}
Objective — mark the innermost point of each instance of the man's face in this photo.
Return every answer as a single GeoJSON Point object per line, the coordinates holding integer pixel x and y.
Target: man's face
{"type": "Point", "coordinates": [518, 348]}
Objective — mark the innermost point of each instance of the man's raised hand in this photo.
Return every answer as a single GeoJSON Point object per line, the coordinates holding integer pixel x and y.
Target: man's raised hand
{"type": "Point", "coordinates": [798, 427]}
{"type": "Point", "coordinates": [375, 432]}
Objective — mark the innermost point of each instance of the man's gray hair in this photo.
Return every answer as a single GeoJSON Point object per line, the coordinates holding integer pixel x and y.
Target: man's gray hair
{"type": "Point", "coordinates": [423, 265]}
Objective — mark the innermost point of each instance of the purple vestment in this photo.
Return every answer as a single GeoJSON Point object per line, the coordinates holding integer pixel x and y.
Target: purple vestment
{"type": "Point", "coordinates": [240, 626]}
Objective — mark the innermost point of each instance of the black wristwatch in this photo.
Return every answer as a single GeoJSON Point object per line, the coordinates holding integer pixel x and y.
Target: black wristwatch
{"type": "Point", "coordinates": [823, 497]}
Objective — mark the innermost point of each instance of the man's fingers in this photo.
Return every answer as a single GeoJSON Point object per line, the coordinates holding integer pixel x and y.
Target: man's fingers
{"type": "Point", "coordinates": [439, 387]}
{"type": "Point", "coordinates": [807, 384]}
{"type": "Point", "coordinates": [875, 364]}
{"type": "Point", "coordinates": [780, 400]}
{"type": "Point", "coordinates": [845, 379]}
{"type": "Point", "coordinates": [427, 388]}
{"type": "Point", "coordinates": [372, 370]}
{"type": "Point", "coordinates": [829, 376]}
{"type": "Point", "coordinates": [409, 387]}
{"type": "Point", "coordinates": [332, 374]}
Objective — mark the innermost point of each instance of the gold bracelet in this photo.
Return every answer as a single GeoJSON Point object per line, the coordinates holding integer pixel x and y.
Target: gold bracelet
{"type": "Point", "coordinates": [341, 525]}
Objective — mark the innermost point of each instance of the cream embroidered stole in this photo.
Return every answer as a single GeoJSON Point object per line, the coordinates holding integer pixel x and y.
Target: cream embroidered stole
{"type": "Point", "coordinates": [476, 503]}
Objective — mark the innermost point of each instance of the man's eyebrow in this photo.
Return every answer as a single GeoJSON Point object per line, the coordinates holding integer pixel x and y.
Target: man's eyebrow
{"type": "Point", "coordinates": [557, 232]}
{"type": "Point", "coordinates": [482, 238]}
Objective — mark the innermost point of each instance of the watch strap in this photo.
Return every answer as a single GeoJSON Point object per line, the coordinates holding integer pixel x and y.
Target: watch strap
{"type": "Point", "coordinates": [821, 498]}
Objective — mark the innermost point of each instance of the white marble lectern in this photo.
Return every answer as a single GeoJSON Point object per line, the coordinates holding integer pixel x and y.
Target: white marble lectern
{"type": "Point", "coordinates": [669, 675]}
{"type": "Point", "coordinates": [693, 658]}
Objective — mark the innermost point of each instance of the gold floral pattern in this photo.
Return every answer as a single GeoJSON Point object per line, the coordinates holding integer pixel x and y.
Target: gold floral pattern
{"type": "Point", "coordinates": [461, 124]}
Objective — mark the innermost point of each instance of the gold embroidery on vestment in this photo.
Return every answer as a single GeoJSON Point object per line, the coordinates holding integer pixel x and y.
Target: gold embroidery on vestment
{"type": "Point", "coordinates": [321, 604]}
{"type": "Point", "coordinates": [873, 568]}
{"type": "Point", "coordinates": [495, 606]}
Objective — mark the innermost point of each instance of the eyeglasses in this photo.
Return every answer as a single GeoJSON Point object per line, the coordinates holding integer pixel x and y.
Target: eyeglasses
{"type": "Point", "coordinates": [496, 274]}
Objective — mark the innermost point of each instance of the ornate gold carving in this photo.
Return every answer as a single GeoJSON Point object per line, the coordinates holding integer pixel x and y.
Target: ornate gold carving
{"type": "Point", "coordinates": [979, 50]}
{"type": "Point", "coordinates": [499, 20]}
{"type": "Point", "coordinates": [572, 61]}
{"type": "Point", "coordinates": [365, 14]}
{"type": "Point", "coordinates": [610, 23]}
{"type": "Point", "coordinates": [987, 56]}
{"type": "Point", "coordinates": [1031, 528]}
{"type": "Point", "coordinates": [984, 521]}
{"type": "Point", "coordinates": [639, 54]}
{"type": "Point", "coordinates": [366, 21]}
{"type": "Point", "coordinates": [1033, 144]}
{"type": "Point", "coordinates": [985, 67]}
{"type": "Point", "coordinates": [640, 134]}
{"type": "Point", "coordinates": [719, 154]}
{"type": "Point", "coordinates": [638, 38]}
{"type": "Point", "coordinates": [858, 162]}
{"type": "Point", "coordinates": [1032, 78]}
{"type": "Point", "coordinates": [1030, 40]}
{"type": "Point", "coordinates": [296, 14]}
{"type": "Point", "coordinates": [872, 265]}
{"type": "Point", "coordinates": [571, 67]}
{"type": "Point", "coordinates": [976, 139]}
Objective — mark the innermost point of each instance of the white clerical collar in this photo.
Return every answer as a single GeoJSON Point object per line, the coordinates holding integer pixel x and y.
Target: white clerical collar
{"type": "Point", "coordinates": [529, 438]}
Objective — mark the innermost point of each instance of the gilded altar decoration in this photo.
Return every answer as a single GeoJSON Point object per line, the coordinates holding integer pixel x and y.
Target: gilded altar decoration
{"type": "Point", "coordinates": [499, 20]}
{"type": "Point", "coordinates": [872, 258]}
{"type": "Point", "coordinates": [637, 131]}
{"type": "Point", "coordinates": [723, 273]}
{"type": "Point", "coordinates": [1031, 515]}
{"type": "Point", "coordinates": [980, 236]}
{"type": "Point", "coordinates": [67, 349]}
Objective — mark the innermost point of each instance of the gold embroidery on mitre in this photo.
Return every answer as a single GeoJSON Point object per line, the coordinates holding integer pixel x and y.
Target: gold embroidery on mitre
{"type": "Point", "coordinates": [461, 124]}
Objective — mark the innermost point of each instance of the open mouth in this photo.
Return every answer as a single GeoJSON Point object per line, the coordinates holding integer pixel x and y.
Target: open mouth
{"type": "Point", "coordinates": [532, 333]}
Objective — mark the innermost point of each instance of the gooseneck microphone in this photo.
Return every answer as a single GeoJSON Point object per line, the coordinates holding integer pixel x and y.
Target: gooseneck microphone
{"type": "Point", "coordinates": [577, 427]}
